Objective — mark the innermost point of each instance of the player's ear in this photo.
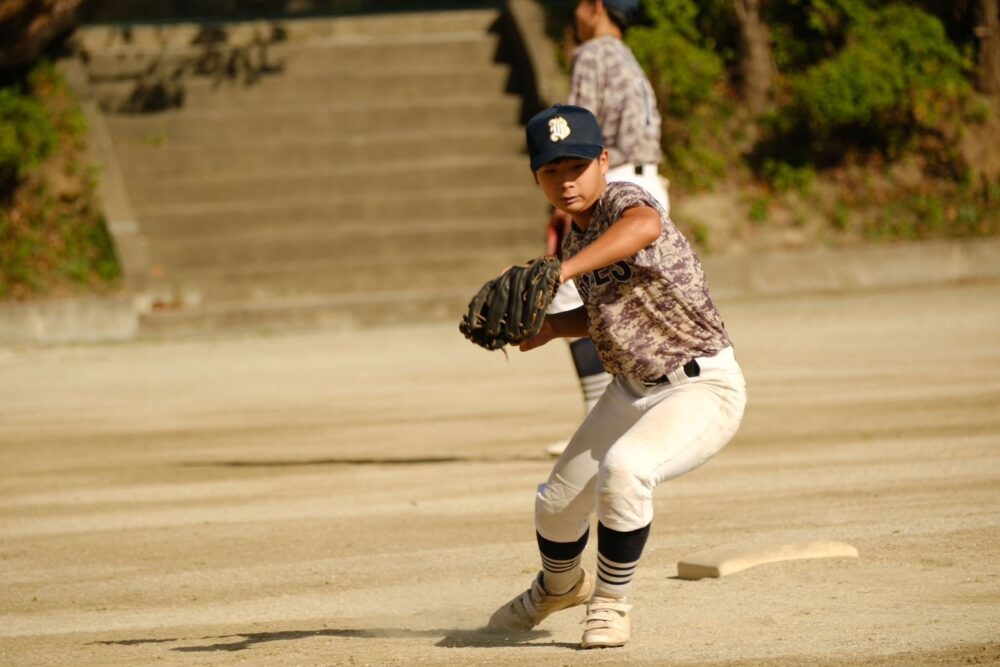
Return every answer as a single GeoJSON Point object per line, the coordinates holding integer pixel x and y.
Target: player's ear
{"type": "Point", "coordinates": [605, 161]}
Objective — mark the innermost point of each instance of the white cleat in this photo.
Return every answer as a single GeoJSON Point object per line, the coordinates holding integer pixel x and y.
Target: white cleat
{"type": "Point", "coordinates": [607, 624]}
{"type": "Point", "coordinates": [533, 605]}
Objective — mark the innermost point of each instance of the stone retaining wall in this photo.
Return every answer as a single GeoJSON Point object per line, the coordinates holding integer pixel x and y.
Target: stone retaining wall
{"type": "Point", "coordinates": [897, 266]}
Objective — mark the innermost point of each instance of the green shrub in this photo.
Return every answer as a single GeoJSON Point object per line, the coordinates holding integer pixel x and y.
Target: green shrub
{"type": "Point", "coordinates": [841, 217]}
{"type": "Point", "coordinates": [27, 136]}
{"type": "Point", "coordinates": [759, 210]}
{"type": "Point", "coordinates": [695, 148]}
{"type": "Point", "coordinates": [51, 243]}
{"type": "Point", "coordinates": [948, 211]}
{"type": "Point", "coordinates": [688, 77]}
{"type": "Point", "coordinates": [806, 32]}
{"type": "Point", "coordinates": [53, 238]}
{"type": "Point", "coordinates": [784, 177]}
{"type": "Point", "coordinates": [684, 71]}
{"type": "Point", "coordinates": [897, 76]}
{"type": "Point", "coordinates": [701, 236]}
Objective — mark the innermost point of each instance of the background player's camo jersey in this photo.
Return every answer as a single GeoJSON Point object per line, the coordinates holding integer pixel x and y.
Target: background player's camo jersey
{"type": "Point", "coordinates": [609, 82]}
{"type": "Point", "coordinates": [649, 313]}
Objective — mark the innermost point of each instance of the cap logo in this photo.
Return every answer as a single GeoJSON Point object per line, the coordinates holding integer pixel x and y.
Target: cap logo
{"type": "Point", "coordinates": [558, 129]}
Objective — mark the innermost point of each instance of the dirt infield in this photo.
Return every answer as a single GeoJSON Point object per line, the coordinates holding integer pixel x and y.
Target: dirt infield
{"type": "Point", "coordinates": [351, 499]}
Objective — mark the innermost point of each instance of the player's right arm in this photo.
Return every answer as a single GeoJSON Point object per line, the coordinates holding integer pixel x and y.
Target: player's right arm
{"type": "Point", "coordinates": [555, 232]}
{"type": "Point", "coordinates": [635, 230]}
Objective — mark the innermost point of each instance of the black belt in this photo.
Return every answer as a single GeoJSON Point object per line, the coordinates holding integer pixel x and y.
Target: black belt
{"type": "Point", "coordinates": [691, 369]}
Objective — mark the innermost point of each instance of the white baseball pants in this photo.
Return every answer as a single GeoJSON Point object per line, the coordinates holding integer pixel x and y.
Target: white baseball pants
{"type": "Point", "coordinates": [635, 438]}
{"type": "Point", "coordinates": [647, 176]}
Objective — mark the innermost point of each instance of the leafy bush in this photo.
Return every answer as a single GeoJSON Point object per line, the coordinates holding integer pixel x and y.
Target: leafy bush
{"type": "Point", "coordinates": [759, 210]}
{"type": "Point", "coordinates": [861, 87]}
{"type": "Point", "coordinates": [806, 32]}
{"type": "Point", "coordinates": [50, 242]}
{"type": "Point", "coordinates": [684, 71]}
{"type": "Point", "coordinates": [784, 177]}
{"type": "Point", "coordinates": [949, 211]}
{"type": "Point", "coordinates": [897, 76]}
{"type": "Point", "coordinates": [688, 77]}
{"type": "Point", "coordinates": [27, 136]}
{"type": "Point", "coordinates": [53, 238]}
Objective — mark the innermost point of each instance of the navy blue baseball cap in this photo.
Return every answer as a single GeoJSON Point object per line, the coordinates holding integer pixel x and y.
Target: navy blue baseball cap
{"type": "Point", "coordinates": [627, 7]}
{"type": "Point", "coordinates": [563, 131]}
{"type": "Point", "coordinates": [627, 11]}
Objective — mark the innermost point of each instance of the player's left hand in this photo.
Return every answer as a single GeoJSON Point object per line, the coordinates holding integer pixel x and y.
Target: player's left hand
{"type": "Point", "coordinates": [511, 307]}
{"type": "Point", "coordinates": [544, 335]}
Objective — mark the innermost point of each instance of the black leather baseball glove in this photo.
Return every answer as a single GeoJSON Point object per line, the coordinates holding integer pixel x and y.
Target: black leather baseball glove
{"type": "Point", "coordinates": [511, 307]}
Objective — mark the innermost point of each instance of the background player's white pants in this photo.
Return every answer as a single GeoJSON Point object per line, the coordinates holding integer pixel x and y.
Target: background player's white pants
{"type": "Point", "coordinates": [635, 438]}
{"type": "Point", "coordinates": [567, 297]}
{"type": "Point", "coordinates": [649, 179]}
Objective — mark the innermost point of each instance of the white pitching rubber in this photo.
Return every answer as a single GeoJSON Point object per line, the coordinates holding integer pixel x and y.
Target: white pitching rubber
{"type": "Point", "coordinates": [720, 561]}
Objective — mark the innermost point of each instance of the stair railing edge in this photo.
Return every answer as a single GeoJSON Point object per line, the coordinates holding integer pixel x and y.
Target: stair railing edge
{"type": "Point", "coordinates": [131, 245]}
{"type": "Point", "coordinates": [535, 54]}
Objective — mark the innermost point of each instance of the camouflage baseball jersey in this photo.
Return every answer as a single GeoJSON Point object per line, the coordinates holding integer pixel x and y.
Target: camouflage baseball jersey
{"type": "Point", "coordinates": [608, 80]}
{"type": "Point", "coordinates": [649, 313]}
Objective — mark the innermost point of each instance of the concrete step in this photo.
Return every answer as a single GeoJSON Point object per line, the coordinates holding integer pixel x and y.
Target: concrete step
{"type": "Point", "coordinates": [366, 231]}
{"type": "Point", "coordinates": [293, 181]}
{"type": "Point", "coordinates": [427, 52]}
{"type": "Point", "coordinates": [251, 283]}
{"type": "Point", "coordinates": [487, 202]}
{"type": "Point", "coordinates": [141, 160]}
{"type": "Point", "coordinates": [398, 242]}
{"type": "Point", "coordinates": [302, 122]}
{"type": "Point", "coordinates": [343, 312]}
{"type": "Point", "coordinates": [378, 175]}
{"type": "Point", "coordinates": [395, 25]}
{"type": "Point", "coordinates": [205, 93]}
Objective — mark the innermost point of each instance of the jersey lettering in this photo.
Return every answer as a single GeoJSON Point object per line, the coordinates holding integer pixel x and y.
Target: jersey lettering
{"type": "Point", "coordinates": [620, 271]}
{"type": "Point", "coordinates": [652, 312]}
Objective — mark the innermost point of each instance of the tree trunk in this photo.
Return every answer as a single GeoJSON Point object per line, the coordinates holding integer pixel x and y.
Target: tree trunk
{"type": "Point", "coordinates": [756, 62]}
{"type": "Point", "coordinates": [27, 27]}
{"type": "Point", "coordinates": [988, 32]}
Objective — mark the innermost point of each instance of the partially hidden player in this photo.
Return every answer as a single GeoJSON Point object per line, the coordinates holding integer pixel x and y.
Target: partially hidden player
{"type": "Point", "coordinates": [607, 80]}
{"type": "Point", "coordinates": [676, 399]}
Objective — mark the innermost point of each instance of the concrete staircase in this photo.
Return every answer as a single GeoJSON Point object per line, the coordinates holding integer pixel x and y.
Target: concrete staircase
{"type": "Point", "coordinates": [376, 176]}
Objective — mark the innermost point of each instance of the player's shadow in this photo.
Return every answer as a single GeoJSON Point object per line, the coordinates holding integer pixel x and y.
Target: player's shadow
{"type": "Point", "coordinates": [475, 638]}
{"type": "Point", "coordinates": [483, 638]}
{"type": "Point", "coordinates": [362, 461]}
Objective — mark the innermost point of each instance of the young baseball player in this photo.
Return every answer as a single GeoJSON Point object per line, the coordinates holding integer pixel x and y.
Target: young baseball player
{"type": "Point", "coordinates": [607, 80]}
{"type": "Point", "coordinates": [676, 399]}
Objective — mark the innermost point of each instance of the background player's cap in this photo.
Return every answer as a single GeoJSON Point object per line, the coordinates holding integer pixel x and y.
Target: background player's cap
{"type": "Point", "coordinates": [627, 6]}
{"type": "Point", "coordinates": [563, 131]}
{"type": "Point", "coordinates": [627, 10]}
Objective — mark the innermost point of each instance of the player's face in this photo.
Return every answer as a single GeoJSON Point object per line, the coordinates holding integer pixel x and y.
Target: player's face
{"type": "Point", "coordinates": [573, 185]}
{"type": "Point", "coordinates": [585, 19]}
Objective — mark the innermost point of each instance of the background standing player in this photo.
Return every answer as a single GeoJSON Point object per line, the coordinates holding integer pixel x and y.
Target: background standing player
{"type": "Point", "coordinates": [607, 80]}
{"type": "Point", "coordinates": [677, 397]}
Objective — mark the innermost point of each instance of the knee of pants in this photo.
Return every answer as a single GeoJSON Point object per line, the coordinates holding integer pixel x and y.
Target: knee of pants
{"type": "Point", "coordinates": [560, 512]}
{"type": "Point", "coordinates": [625, 486]}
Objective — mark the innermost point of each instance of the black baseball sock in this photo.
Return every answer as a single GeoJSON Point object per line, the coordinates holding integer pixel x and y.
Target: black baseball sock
{"type": "Point", "coordinates": [561, 563]}
{"type": "Point", "coordinates": [618, 557]}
